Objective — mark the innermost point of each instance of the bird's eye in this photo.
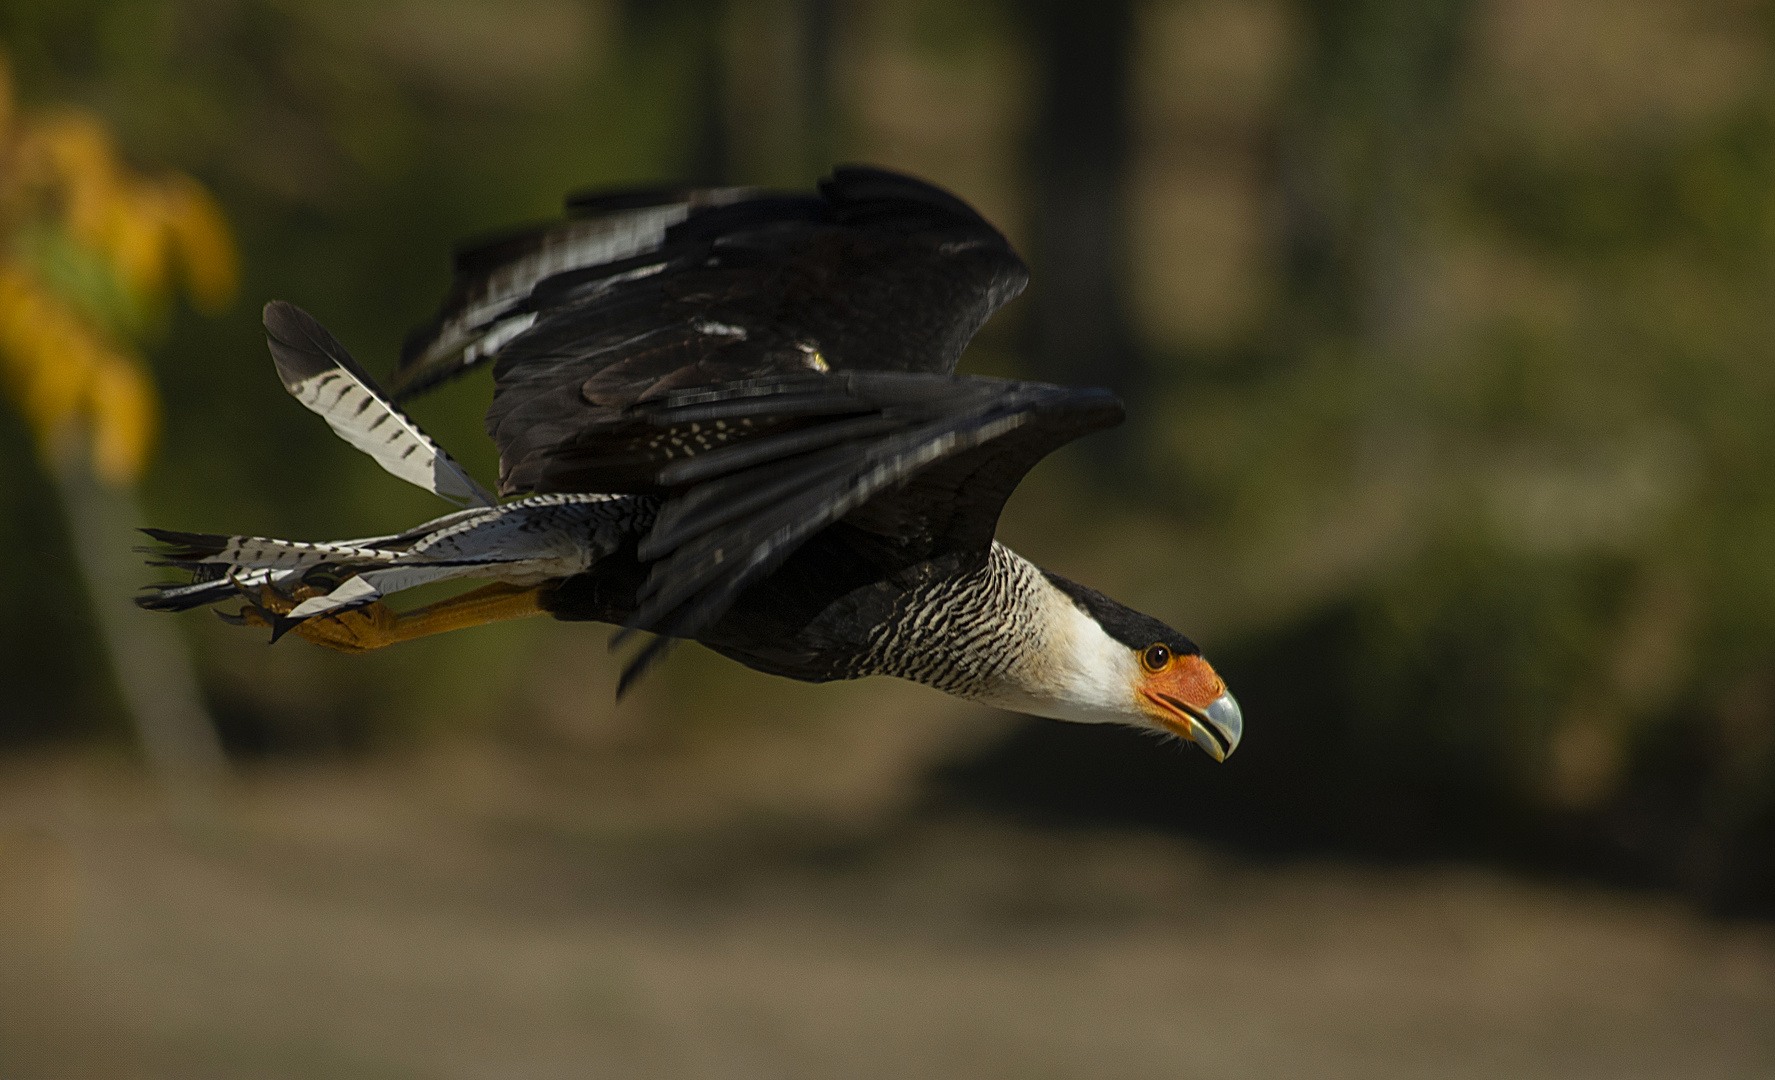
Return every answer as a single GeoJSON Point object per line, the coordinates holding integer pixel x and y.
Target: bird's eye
{"type": "Point", "coordinates": [1155, 657]}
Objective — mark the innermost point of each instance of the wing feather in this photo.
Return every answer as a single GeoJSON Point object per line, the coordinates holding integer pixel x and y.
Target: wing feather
{"type": "Point", "coordinates": [487, 305]}
{"type": "Point", "coordinates": [664, 291]}
{"type": "Point", "coordinates": [318, 372]}
{"type": "Point", "coordinates": [730, 527]}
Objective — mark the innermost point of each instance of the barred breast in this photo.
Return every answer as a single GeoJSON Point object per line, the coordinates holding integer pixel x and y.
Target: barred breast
{"type": "Point", "coordinates": [974, 635]}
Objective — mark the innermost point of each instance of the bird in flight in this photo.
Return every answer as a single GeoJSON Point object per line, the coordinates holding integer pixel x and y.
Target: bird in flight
{"type": "Point", "coordinates": [728, 416]}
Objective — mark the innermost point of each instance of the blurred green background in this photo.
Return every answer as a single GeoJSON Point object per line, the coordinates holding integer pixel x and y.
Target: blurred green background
{"type": "Point", "coordinates": [1447, 329]}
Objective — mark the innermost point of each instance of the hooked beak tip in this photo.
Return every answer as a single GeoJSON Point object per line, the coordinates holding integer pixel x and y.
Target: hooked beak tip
{"type": "Point", "coordinates": [1218, 728]}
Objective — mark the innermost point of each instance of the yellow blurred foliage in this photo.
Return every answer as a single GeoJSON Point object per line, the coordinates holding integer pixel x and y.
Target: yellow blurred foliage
{"type": "Point", "coordinates": [62, 361]}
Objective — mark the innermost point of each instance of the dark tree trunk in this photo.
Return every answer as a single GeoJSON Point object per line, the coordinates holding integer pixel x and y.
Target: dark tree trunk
{"type": "Point", "coordinates": [819, 118]}
{"type": "Point", "coordinates": [1078, 325]}
{"type": "Point", "coordinates": [1360, 147]}
{"type": "Point", "coordinates": [692, 31]}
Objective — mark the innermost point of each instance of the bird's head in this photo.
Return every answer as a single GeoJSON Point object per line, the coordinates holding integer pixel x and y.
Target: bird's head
{"type": "Point", "coordinates": [1111, 664]}
{"type": "Point", "coordinates": [1181, 694]}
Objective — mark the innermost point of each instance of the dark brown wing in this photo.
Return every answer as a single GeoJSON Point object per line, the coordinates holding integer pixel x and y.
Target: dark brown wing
{"type": "Point", "coordinates": [878, 272]}
{"type": "Point", "coordinates": [922, 462]}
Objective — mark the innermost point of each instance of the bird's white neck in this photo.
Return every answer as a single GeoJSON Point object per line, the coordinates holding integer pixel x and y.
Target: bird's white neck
{"type": "Point", "coordinates": [1005, 636]}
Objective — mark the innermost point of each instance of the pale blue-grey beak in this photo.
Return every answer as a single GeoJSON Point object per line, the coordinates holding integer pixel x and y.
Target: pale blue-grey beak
{"type": "Point", "coordinates": [1217, 728]}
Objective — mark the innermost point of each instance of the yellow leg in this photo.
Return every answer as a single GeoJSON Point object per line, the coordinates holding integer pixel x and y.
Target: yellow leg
{"type": "Point", "coordinates": [376, 625]}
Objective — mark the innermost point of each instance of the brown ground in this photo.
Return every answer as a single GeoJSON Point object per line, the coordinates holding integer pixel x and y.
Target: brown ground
{"type": "Point", "coordinates": [437, 919]}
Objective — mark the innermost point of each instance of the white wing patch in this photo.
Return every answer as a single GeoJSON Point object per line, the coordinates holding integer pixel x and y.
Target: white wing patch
{"type": "Point", "coordinates": [359, 414]}
{"type": "Point", "coordinates": [320, 374]}
{"type": "Point", "coordinates": [478, 331]}
{"type": "Point", "coordinates": [496, 337]}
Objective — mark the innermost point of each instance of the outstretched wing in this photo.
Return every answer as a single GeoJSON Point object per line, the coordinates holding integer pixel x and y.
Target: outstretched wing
{"type": "Point", "coordinates": [319, 373]}
{"type": "Point", "coordinates": [488, 303]}
{"type": "Point", "coordinates": [878, 272]}
{"type": "Point", "coordinates": [752, 470]}
{"type": "Point", "coordinates": [769, 364]}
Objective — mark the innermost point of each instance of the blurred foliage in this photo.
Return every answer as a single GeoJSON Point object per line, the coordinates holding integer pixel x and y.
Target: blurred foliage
{"type": "Point", "coordinates": [1456, 442]}
{"type": "Point", "coordinates": [86, 246]}
{"type": "Point", "coordinates": [88, 249]}
{"type": "Point", "coordinates": [1498, 453]}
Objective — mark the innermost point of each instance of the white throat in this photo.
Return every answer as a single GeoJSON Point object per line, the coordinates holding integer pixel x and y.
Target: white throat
{"type": "Point", "coordinates": [1072, 669]}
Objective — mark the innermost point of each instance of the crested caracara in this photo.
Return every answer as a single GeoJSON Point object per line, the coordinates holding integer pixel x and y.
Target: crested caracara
{"type": "Point", "coordinates": [729, 416]}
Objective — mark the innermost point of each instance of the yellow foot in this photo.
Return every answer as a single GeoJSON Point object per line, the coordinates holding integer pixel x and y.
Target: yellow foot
{"type": "Point", "coordinates": [270, 600]}
{"type": "Point", "coordinates": [359, 630]}
{"type": "Point", "coordinates": [265, 604]}
{"type": "Point", "coordinates": [376, 625]}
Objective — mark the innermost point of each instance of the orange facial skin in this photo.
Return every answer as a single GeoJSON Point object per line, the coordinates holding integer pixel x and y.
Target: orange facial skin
{"type": "Point", "coordinates": [1178, 690]}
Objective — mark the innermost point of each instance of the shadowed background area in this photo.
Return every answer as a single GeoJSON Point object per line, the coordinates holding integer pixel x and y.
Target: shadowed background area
{"type": "Point", "coordinates": [1447, 336]}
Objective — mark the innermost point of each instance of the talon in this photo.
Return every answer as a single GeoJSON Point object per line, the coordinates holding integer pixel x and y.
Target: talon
{"type": "Point", "coordinates": [375, 625]}
{"type": "Point", "coordinates": [275, 601]}
{"type": "Point", "coordinates": [266, 607]}
{"type": "Point", "coordinates": [355, 631]}
{"type": "Point", "coordinates": [251, 615]}
{"type": "Point", "coordinates": [281, 625]}
{"type": "Point", "coordinates": [245, 593]}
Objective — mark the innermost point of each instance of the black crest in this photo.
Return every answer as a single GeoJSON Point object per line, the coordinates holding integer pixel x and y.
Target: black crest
{"type": "Point", "coordinates": [1126, 625]}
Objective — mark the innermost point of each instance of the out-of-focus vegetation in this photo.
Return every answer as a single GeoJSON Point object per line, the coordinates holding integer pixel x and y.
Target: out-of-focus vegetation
{"type": "Point", "coordinates": [88, 247]}
{"type": "Point", "coordinates": [86, 250]}
{"type": "Point", "coordinates": [1446, 327]}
